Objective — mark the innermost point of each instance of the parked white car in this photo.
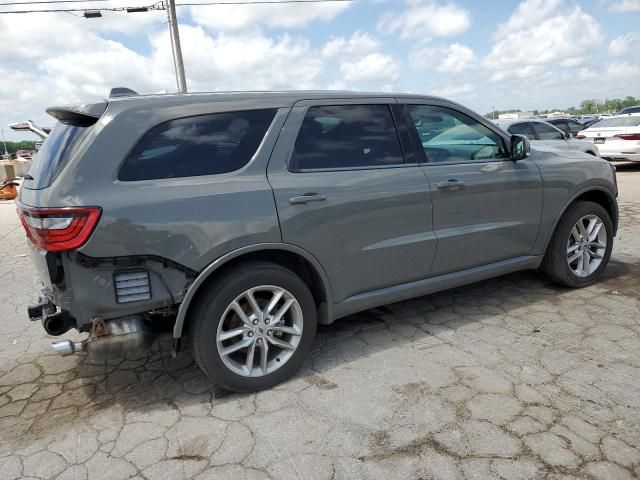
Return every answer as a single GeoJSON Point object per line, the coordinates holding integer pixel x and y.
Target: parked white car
{"type": "Point", "coordinates": [546, 137]}
{"type": "Point", "coordinates": [617, 138]}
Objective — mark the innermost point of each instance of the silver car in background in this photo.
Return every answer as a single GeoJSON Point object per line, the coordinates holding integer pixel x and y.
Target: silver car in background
{"type": "Point", "coordinates": [546, 137]}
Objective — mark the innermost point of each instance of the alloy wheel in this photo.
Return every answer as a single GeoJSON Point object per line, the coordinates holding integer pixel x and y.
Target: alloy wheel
{"type": "Point", "coordinates": [586, 245]}
{"type": "Point", "coordinates": [259, 331]}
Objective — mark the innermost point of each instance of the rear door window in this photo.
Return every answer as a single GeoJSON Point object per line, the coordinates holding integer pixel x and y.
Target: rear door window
{"type": "Point", "coordinates": [53, 154]}
{"type": "Point", "coordinates": [547, 132]}
{"type": "Point", "coordinates": [346, 136]}
{"type": "Point", "coordinates": [196, 146]}
{"type": "Point", "coordinates": [523, 128]}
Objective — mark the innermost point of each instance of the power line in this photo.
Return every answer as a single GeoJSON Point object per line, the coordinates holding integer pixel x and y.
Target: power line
{"type": "Point", "coordinates": [157, 6]}
{"type": "Point", "coordinates": [263, 2]}
{"type": "Point", "coordinates": [51, 1]}
{"type": "Point", "coordinates": [231, 2]}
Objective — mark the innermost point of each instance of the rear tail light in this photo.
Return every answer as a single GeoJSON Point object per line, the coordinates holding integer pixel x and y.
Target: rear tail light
{"type": "Point", "coordinates": [59, 229]}
{"type": "Point", "coordinates": [629, 136]}
{"type": "Point", "coordinates": [580, 137]}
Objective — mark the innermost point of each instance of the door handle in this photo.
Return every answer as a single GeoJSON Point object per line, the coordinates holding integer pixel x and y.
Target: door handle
{"type": "Point", "coordinates": [307, 198]}
{"type": "Point", "coordinates": [449, 184]}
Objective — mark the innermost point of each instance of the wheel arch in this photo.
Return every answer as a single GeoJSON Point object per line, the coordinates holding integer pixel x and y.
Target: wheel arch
{"type": "Point", "coordinates": [596, 194]}
{"type": "Point", "coordinates": [289, 256]}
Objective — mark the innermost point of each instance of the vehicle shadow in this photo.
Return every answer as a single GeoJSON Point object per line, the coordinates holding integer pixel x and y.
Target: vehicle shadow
{"type": "Point", "coordinates": [627, 166]}
{"type": "Point", "coordinates": [155, 380]}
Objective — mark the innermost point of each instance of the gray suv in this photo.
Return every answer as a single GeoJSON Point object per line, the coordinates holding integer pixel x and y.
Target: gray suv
{"type": "Point", "coordinates": [242, 220]}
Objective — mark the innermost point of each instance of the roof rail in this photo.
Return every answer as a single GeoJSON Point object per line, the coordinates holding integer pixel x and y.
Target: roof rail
{"type": "Point", "coordinates": [122, 92]}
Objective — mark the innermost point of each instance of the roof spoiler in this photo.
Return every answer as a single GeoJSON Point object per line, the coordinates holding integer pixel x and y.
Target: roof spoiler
{"type": "Point", "coordinates": [83, 115]}
{"type": "Point", "coordinates": [122, 92]}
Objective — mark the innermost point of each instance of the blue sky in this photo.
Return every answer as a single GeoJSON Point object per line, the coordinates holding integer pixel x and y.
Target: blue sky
{"type": "Point", "coordinates": [509, 54]}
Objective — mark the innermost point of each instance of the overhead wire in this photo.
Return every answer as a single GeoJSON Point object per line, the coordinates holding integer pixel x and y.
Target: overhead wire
{"type": "Point", "coordinates": [116, 9]}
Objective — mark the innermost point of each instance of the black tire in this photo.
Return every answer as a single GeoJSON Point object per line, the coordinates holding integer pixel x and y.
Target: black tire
{"type": "Point", "coordinates": [555, 263]}
{"type": "Point", "coordinates": [214, 300]}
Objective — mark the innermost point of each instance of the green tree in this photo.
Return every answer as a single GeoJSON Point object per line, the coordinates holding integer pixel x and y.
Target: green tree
{"type": "Point", "coordinates": [13, 147]}
{"type": "Point", "coordinates": [589, 106]}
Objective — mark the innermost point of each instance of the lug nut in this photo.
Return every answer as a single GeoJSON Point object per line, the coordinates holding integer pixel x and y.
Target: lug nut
{"type": "Point", "coordinates": [255, 322]}
{"type": "Point", "coordinates": [250, 334]}
{"type": "Point", "coordinates": [266, 321]}
{"type": "Point", "coordinates": [270, 333]}
{"type": "Point", "coordinates": [259, 341]}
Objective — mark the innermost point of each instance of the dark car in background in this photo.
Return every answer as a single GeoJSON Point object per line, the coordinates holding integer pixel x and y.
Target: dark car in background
{"type": "Point", "coordinates": [567, 125]}
{"type": "Point", "coordinates": [625, 111]}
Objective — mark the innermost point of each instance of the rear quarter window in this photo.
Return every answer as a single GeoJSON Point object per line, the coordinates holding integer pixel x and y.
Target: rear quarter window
{"type": "Point", "coordinates": [196, 146]}
{"type": "Point", "coordinates": [53, 154]}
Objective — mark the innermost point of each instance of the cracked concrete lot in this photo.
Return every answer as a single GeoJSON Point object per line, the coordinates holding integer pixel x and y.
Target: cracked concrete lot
{"type": "Point", "coordinates": [511, 378]}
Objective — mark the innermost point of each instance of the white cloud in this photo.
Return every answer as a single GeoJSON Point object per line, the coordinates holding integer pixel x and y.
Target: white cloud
{"type": "Point", "coordinates": [525, 71]}
{"type": "Point", "coordinates": [455, 91]}
{"type": "Point", "coordinates": [375, 68]}
{"type": "Point", "coordinates": [239, 17]}
{"type": "Point", "coordinates": [457, 58]}
{"type": "Point", "coordinates": [626, 6]}
{"type": "Point", "coordinates": [426, 17]}
{"type": "Point", "coordinates": [543, 32]}
{"type": "Point", "coordinates": [360, 43]}
{"type": "Point", "coordinates": [241, 62]}
{"type": "Point", "coordinates": [621, 46]}
{"type": "Point", "coordinates": [626, 70]}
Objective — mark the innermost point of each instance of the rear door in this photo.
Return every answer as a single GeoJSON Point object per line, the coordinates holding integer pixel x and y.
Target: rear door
{"type": "Point", "coordinates": [345, 193]}
{"type": "Point", "coordinates": [486, 207]}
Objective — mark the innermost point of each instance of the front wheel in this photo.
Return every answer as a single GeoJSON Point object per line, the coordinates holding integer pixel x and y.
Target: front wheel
{"type": "Point", "coordinates": [581, 246]}
{"type": "Point", "coordinates": [253, 327]}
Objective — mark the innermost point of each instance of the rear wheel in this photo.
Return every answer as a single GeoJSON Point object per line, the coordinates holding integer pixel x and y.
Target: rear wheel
{"type": "Point", "coordinates": [253, 327]}
{"type": "Point", "coordinates": [581, 246]}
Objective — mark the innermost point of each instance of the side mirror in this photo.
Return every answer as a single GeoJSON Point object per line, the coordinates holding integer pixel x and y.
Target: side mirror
{"type": "Point", "coordinates": [520, 147]}
{"type": "Point", "coordinates": [567, 136]}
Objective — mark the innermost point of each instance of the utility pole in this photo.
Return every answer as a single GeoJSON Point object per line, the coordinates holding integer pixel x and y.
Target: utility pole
{"type": "Point", "coordinates": [175, 46]}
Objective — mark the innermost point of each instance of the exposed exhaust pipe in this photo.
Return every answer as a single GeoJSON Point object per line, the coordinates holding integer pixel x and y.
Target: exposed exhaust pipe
{"type": "Point", "coordinates": [67, 347]}
{"type": "Point", "coordinates": [110, 338]}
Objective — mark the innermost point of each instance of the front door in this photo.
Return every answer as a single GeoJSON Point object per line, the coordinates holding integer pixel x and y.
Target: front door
{"type": "Point", "coordinates": [486, 207]}
{"type": "Point", "coordinates": [345, 194]}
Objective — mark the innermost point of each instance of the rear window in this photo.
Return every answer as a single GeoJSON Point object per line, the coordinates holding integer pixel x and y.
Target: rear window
{"type": "Point", "coordinates": [53, 154]}
{"type": "Point", "coordinates": [196, 146]}
{"type": "Point", "coordinates": [631, 121]}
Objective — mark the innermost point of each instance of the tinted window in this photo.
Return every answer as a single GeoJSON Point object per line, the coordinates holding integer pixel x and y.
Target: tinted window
{"type": "Point", "coordinates": [561, 124]}
{"type": "Point", "coordinates": [447, 135]}
{"type": "Point", "coordinates": [346, 136]}
{"type": "Point", "coordinates": [194, 146]}
{"type": "Point", "coordinates": [574, 127]}
{"type": "Point", "coordinates": [52, 155]}
{"type": "Point", "coordinates": [523, 128]}
{"type": "Point", "coordinates": [546, 132]}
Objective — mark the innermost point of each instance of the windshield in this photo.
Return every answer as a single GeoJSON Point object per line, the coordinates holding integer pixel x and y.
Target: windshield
{"type": "Point", "coordinates": [52, 155]}
{"type": "Point", "coordinates": [631, 121]}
